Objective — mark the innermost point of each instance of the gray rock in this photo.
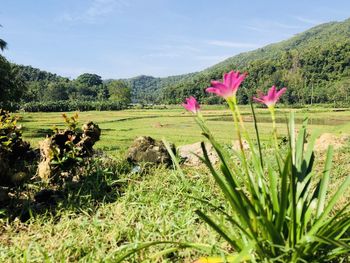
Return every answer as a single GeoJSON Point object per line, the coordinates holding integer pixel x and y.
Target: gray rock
{"type": "Point", "coordinates": [147, 149]}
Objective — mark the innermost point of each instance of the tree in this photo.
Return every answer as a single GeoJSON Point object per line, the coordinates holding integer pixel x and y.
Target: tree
{"type": "Point", "coordinates": [55, 92]}
{"type": "Point", "coordinates": [119, 91]}
{"type": "Point", "coordinates": [102, 92]}
{"type": "Point", "coordinates": [12, 86]}
{"type": "Point", "coordinates": [3, 44]}
{"type": "Point", "coordinates": [88, 80]}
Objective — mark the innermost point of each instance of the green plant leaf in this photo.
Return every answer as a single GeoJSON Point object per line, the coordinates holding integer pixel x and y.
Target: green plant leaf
{"type": "Point", "coordinates": [324, 182]}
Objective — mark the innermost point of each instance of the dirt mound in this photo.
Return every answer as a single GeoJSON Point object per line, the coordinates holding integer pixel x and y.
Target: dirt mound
{"type": "Point", "coordinates": [327, 139]}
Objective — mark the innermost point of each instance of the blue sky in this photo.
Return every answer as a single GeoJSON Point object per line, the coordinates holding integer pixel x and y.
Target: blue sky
{"type": "Point", "coordinates": [126, 38]}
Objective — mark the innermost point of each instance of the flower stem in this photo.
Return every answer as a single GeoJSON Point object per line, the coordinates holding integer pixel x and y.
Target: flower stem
{"type": "Point", "coordinates": [233, 106]}
{"type": "Point", "coordinates": [273, 117]}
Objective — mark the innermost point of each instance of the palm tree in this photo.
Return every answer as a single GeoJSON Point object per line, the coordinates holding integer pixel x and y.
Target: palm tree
{"type": "Point", "coordinates": [3, 44]}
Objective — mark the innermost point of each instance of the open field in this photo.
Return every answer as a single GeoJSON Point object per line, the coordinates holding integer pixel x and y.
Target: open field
{"type": "Point", "coordinates": [112, 207]}
{"type": "Point", "coordinates": [119, 128]}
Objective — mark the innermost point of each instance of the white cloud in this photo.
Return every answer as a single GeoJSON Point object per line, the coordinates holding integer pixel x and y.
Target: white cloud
{"type": "Point", "coordinates": [161, 55]}
{"type": "Point", "coordinates": [178, 47]}
{"type": "Point", "coordinates": [307, 20]}
{"type": "Point", "coordinates": [265, 26]}
{"type": "Point", "coordinates": [286, 26]}
{"type": "Point", "coordinates": [229, 44]}
{"type": "Point", "coordinates": [257, 29]}
{"type": "Point", "coordinates": [96, 9]}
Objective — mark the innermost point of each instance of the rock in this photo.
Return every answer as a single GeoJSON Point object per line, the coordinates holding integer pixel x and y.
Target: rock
{"type": "Point", "coordinates": [188, 153]}
{"type": "Point", "coordinates": [146, 149]}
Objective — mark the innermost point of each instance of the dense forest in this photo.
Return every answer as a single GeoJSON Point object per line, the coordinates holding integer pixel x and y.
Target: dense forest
{"type": "Point", "coordinates": [314, 65]}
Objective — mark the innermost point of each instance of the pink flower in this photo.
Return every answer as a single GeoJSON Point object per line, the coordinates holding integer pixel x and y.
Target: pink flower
{"type": "Point", "coordinates": [229, 86]}
{"type": "Point", "coordinates": [271, 98]}
{"type": "Point", "coordinates": [191, 105]}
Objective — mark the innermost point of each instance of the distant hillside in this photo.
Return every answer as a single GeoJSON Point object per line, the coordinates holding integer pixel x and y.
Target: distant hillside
{"type": "Point", "coordinates": [314, 65]}
{"type": "Point", "coordinates": [146, 89]}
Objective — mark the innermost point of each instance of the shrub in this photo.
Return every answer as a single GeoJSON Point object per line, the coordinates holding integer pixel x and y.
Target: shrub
{"type": "Point", "coordinates": [61, 106]}
{"type": "Point", "coordinates": [65, 149]}
{"type": "Point", "coordinates": [14, 152]}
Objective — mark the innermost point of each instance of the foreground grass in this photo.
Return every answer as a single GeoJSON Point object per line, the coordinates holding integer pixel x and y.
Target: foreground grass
{"type": "Point", "coordinates": [148, 207]}
{"type": "Point", "coordinates": [112, 208]}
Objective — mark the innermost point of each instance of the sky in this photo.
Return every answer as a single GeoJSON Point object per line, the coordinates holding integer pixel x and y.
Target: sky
{"type": "Point", "coordinates": [127, 38]}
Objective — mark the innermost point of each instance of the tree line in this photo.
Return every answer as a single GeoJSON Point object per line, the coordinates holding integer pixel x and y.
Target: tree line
{"type": "Point", "coordinates": [33, 89]}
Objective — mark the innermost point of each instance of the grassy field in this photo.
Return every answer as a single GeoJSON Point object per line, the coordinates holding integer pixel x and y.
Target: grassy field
{"type": "Point", "coordinates": [120, 128]}
{"type": "Point", "coordinates": [112, 207]}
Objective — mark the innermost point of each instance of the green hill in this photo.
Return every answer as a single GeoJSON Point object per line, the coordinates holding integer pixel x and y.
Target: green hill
{"type": "Point", "coordinates": [314, 65]}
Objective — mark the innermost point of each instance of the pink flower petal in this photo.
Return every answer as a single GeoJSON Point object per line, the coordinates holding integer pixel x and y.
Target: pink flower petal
{"type": "Point", "coordinates": [281, 92]}
{"type": "Point", "coordinates": [214, 90]}
{"type": "Point", "coordinates": [191, 105]}
{"type": "Point", "coordinates": [259, 100]}
{"type": "Point", "coordinates": [228, 88]}
{"type": "Point", "coordinates": [272, 96]}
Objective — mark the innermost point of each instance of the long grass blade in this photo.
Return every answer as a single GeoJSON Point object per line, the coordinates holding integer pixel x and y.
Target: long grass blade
{"type": "Point", "coordinates": [284, 192]}
{"type": "Point", "coordinates": [257, 135]}
{"type": "Point", "coordinates": [172, 155]}
{"type": "Point", "coordinates": [324, 182]}
{"type": "Point", "coordinates": [219, 230]}
{"type": "Point", "coordinates": [320, 221]}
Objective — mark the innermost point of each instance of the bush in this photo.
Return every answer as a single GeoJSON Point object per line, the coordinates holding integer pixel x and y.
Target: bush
{"type": "Point", "coordinates": [15, 154]}
{"type": "Point", "coordinates": [66, 149]}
